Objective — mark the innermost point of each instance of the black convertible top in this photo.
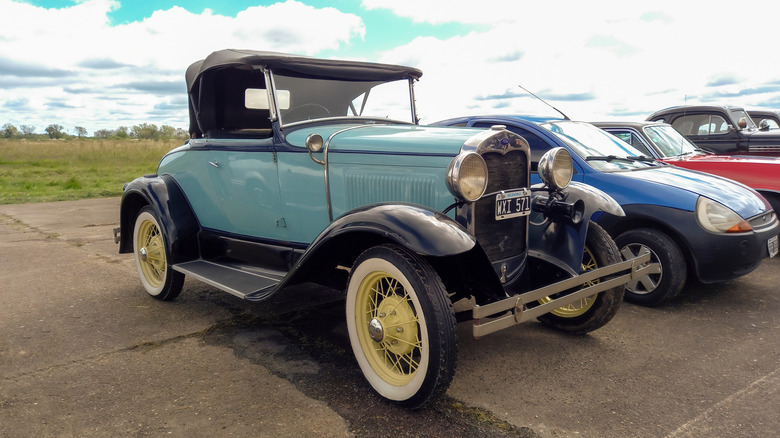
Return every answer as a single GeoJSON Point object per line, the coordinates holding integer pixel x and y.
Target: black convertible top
{"type": "Point", "coordinates": [336, 69]}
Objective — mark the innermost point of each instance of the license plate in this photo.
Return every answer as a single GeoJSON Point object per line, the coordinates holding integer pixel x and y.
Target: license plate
{"type": "Point", "coordinates": [513, 204]}
{"type": "Point", "coordinates": [772, 245]}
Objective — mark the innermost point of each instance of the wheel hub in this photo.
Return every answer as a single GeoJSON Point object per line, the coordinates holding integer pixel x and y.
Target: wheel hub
{"type": "Point", "coordinates": [375, 330]}
{"type": "Point", "coordinates": [142, 254]}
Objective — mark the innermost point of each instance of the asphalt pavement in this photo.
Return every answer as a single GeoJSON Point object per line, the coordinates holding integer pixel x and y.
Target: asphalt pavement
{"type": "Point", "coordinates": [84, 351]}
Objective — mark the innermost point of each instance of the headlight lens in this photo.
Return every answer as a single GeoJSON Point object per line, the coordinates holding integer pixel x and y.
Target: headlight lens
{"type": "Point", "coordinates": [716, 217]}
{"type": "Point", "coordinates": [556, 168]}
{"type": "Point", "coordinates": [467, 176]}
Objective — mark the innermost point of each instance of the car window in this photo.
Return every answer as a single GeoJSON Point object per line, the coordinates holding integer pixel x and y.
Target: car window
{"type": "Point", "coordinates": [668, 141]}
{"type": "Point", "coordinates": [310, 99]}
{"type": "Point", "coordinates": [701, 124]}
{"type": "Point", "coordinates": [738, 114]}
{"type": "Point", "coordinates": [633, 139]}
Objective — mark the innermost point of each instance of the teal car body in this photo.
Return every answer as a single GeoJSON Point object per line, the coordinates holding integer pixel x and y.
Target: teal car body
{"type": "Point", "coordinates": [307, 170]}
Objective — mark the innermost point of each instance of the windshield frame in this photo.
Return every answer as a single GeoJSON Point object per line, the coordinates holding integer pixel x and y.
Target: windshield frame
{"type": "Point", "coordinates": [310, 88]}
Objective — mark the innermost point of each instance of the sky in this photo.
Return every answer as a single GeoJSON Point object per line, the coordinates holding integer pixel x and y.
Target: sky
{"type": "Point", "coordinates": [102, 64]}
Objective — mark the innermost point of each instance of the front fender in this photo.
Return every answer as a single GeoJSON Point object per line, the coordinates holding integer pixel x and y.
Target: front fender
{"type": "Point", "coordinates": [562, 242]}
{"type": "Point", "coordinates": [416, 228]}
{"type": "Point", "coordinates": [180, 227]}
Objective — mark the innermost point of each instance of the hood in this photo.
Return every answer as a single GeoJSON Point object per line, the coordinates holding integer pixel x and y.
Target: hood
{"type": "Point", "coordinates": [738, 197]}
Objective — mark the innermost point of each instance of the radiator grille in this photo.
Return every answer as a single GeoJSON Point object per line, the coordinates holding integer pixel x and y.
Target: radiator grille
{"type": "Point", "coordinates": [504, 238]}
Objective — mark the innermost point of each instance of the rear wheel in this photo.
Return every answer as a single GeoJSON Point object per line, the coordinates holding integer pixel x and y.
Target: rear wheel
{"type": "Point", "coordinates": [669, 270]}
{"type": "Point", "coordinates": [151, 260]}
{"type": "Point", "coordinates": [401, 325]}
{"type": "Point", "coordinates": [592, 312]}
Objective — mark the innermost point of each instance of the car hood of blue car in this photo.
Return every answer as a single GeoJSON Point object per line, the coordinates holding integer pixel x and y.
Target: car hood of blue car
{"type": "Point", "coordinates": [677, 188]}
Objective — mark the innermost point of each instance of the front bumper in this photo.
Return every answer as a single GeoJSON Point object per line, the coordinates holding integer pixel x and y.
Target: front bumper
{"type": "Point", "coordinates": [516, 311]}
{"type": "Point", "coordinates": [719, 258]}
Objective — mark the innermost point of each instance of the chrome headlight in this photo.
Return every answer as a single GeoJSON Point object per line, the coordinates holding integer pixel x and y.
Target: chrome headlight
{"type": "Point", "coordinates": [467, 176]}
{"type": "Point", "coordinates": [716, 217]}
{"type": "Point", "coordinates": [556, 168]}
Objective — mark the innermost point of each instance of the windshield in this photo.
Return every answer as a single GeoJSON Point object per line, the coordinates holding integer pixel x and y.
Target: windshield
{"type": "Point", "coordinates": [669, 142]}
{"type": "Point", "coordinates": [737, 114]}
{"type": "Point", "coordinates": [301, 99]}
{"type": "Point", "coordinates": [603, 151]}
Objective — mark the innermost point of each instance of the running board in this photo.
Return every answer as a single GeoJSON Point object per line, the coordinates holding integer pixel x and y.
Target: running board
{"type": "Point", "coordinates": [251, 285]}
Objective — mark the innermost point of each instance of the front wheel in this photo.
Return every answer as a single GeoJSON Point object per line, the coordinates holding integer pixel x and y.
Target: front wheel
{"type": "Point", "coordinates": [592, 312]}
{"type": "Point", "coordinates": [401, 325]}
{"type": "Point", "coordinates": [669, 270]}
{"type": "Point", "coordinates": [157, 277]}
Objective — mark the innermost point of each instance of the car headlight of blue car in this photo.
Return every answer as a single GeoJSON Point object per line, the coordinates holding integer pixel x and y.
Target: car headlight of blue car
{"type": "Point", "coordinates": [716, 217]}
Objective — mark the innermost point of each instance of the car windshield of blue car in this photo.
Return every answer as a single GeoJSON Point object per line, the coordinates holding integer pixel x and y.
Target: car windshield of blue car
{"type": "Point", "coordinates": [602, 151]}
{"type": "Point", "coordinates": [302, 99]}
{"type": "Point", "coordinates": [669, 142]}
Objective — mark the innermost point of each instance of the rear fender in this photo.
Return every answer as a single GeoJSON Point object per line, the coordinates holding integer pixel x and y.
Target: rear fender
{"type": "Point", "coordinates": [172, 210]}
{"type": "Point", "coordinates": [562, 242]}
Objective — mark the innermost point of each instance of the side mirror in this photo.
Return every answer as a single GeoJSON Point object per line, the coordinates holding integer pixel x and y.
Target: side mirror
{"type": "Point", "coordinates": [742, 123]}
{"type": "Point", "coordinates": [763, 125]}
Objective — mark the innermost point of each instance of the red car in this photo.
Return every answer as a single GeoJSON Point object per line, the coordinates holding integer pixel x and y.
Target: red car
{"type": "Point", "coordinates": [662, 142]}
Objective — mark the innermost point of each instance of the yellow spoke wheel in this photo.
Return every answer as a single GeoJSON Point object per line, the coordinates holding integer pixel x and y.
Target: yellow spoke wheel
{"type": "Point", "coordinates": [401, 325]}
{"type": "Point", "coordinates": [151, 260]}
{"type": "Point", "coordinates": [578, 308]}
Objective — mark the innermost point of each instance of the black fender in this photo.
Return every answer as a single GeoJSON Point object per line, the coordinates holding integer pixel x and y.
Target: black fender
{"type": "Point", "coordinates": [172, 209]}
{"type": "Point", "coordinates": [419, 229]}
{"type": "Point", "coordinates": [560, 241]}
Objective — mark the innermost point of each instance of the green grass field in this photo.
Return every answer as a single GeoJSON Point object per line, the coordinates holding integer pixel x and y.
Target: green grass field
{"type": "Point", "coordinates": [59, 170]}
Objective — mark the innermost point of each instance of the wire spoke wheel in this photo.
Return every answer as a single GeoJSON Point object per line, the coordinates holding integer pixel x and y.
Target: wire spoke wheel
{"type": "Point", "coordinates": [591, 312]}
{"type": "Point", "coordinates": [151, 259]}
{"type": "Point", "coordinates": [401, 325]}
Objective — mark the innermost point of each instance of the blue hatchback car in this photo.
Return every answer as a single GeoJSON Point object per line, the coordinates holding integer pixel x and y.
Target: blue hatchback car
{"type": "Point", "coordinates": [693, 224]}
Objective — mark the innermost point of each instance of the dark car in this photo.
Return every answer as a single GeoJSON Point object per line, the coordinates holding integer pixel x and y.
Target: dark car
{"type": "Point", "coordinates": [720, 129]}
{"type": "Point", "coordinates": [663, 142]}
{"type": "Point", "coordinates": [301, 169]}
{"type": "Point", "coordinates": [693, 224]}
{"type": "Point", "coordinates": [765, 119]}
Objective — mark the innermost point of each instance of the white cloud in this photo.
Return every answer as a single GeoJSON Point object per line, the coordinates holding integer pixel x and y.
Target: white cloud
{"type": "Point", "coordinates": [72, 67]}
{"type": "Point", "coordinates": [593, 59]}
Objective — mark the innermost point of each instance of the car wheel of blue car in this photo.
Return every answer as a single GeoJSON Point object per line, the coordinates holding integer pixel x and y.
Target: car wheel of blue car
{"type": "Point", "coordinates": [667, 278]}
{"type": "Point", "coordinates": [593, 311]}
{"type": "Point", "coordinates": [157, 277]}
{"type": "Point", "coordinates": [401, 325]}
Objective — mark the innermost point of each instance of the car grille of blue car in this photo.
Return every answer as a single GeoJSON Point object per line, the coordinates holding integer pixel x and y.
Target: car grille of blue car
{"type": "Point", "coordinates": [501, 239]}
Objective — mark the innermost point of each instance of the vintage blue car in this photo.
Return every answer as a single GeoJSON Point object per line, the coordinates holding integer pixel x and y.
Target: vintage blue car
{"type": "Point", "coordinates": [309, 170]}
{"type": "Point", "coordinates": [692, 223]}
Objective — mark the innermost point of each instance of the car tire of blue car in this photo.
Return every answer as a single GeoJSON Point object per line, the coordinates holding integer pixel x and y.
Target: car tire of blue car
{"type": "Point", "coordinates": [151, 261]}
{"type": "Point", "coordinates": [401, 325]}
{"type": "Point", "coordinates": [667, 280]}
{"type": "Point", "coordinates": [591, 312]}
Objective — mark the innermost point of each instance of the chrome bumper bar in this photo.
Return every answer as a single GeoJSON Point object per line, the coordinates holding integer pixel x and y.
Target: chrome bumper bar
{"type": "Point", "coordinates": [515, 306]}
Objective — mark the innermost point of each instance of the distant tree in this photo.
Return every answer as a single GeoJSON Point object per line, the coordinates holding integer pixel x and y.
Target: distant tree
{"type": "Point", "coordinates": [145, 131]}
{"type": "Point", "coordinates": [122, 132]}
{"type": "Point", "coordinates": [81, 131]}
{"type": "Point", "coordinates": [104, 133]}
{"type": "Point", "coordinates": [167, 131]}
{"type": "Point", "coordinates": [27, 130]}
{"type": "Point", "coordinates": [10, 131]}
{"type": "Point", "coordinates": [55, 131]}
